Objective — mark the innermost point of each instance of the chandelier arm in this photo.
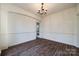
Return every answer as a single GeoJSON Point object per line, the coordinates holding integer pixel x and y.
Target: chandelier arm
{"type": "Point", "coordinates": [42, 11]}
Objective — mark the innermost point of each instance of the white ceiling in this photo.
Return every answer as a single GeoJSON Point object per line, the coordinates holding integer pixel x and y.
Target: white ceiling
{"type": "Point", "coordinates": [51, 7]}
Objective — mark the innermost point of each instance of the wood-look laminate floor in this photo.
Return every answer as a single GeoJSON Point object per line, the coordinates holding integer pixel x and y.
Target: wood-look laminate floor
{"type": "Point", "coordinates": [41, 47]}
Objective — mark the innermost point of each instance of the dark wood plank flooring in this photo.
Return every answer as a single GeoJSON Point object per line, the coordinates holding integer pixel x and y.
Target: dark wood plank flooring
{"type": "Point", "coordinates": [41, 47]}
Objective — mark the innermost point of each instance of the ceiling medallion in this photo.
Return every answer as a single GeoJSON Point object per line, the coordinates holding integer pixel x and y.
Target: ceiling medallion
{"type": "Point", "coordinates": [42, 11]}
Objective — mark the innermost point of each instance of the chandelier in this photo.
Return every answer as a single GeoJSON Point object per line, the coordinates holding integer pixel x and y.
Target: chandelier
{"type": "Point", "coordinates": [42, 11]}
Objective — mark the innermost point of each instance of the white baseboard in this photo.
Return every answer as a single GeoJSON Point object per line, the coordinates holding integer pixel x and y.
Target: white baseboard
{"type": "Point", "coordinates": [60, 37]}
{"type": "Point", "coordinates": [77, 46]}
